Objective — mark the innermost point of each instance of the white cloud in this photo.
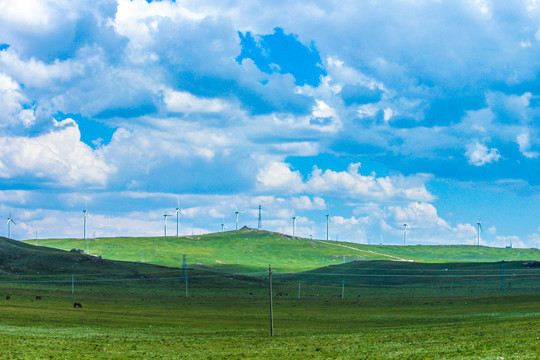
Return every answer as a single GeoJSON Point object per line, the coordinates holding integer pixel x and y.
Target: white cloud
{"type": "Point", "coordinates": [417, 215]}
{"type": "Point", "coordinates": [479, 154]}
{"type": "Point", "coordinates": [278, 175]}
{"type": "Point", "coordinates": [12, 103]}
{"type": "Point", "coordinates": [367, 110]}
{"type": "Point", "coordinates": [322, 110]}
{"type": "Point", "coordinates": [305, 203]}
{"type": "Point", "coordinates": [350, 183]}
{"type": "Point", "coordinates": [298, 148]}
{"type": "Point", "coordinates": [184, 102]}
{"type": "Point", "coordinates": [58, 156]}
{"type": "Point", "coordinates": [388, 113]}
{"type": "Point", "coordinates": [36, 73]}
{"type": "Point", "coordinates": [524, 142]}
{"type": "Point", "coordinates": [33, 14]}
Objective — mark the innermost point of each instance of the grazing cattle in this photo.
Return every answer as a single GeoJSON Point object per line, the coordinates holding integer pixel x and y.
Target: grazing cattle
{"type": "Point", "coordinates": [77, 305]}
{"type": "Point", "coordinates": [8, 297]}
{"type": "Point", "coordinates": [38, 297]}
{"type": "Point", "coordinates": [531, 264]}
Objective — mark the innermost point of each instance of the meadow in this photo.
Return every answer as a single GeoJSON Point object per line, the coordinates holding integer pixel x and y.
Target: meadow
{"type": "Point", "coordinates": [376, 309]}
{"type": "Point", "coordinates": [255, 249]}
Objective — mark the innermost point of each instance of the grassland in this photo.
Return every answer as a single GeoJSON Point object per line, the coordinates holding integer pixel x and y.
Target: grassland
{"type": "Point", "coordinates": [252, 249]}
{"type": "Point", "coordinates": [141, 325]}
{"type": "Point", "coordinates": [389, 309]}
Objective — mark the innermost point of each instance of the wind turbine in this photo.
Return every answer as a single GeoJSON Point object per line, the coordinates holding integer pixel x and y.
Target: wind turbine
{"type": "Point", "coordinates": [178, 211]}
{"type": "Point", "coordinates": [327, 221]}
{"type": "Point", "coordinates": [85, 214]}
{"type": "Point", "coordinates": [9, 221]}
{"type": "Point", "coordinates": [293, 225]}
{"type": "Point", "coordinates": [237, 212]}
{"type": "Point", "coordinates": [478, 230]}
{"type": "Point", "coordinates": [165, 216]}
{"type": "Point", "coordinates": [405, 234]}
{"type": "Point", "coordinates": [223, 226]}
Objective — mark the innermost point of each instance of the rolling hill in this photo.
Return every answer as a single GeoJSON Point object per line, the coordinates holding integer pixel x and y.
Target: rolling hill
{"type": "Point", "coordinates": [250, 249]}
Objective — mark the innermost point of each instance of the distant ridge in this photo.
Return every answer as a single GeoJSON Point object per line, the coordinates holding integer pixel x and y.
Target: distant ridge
{"type": "Point", "coordinates": [254, 249]}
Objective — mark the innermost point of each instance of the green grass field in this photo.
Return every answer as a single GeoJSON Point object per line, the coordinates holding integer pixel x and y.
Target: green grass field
{"type": "Point", "coordinates": [389, 309]}
{"type": "Point", "coordinates": [252, 249]}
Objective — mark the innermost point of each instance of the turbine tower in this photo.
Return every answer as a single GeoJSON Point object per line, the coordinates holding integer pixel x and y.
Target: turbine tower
{"type": "Point", "coordinates": [259, 224]}
{"type": "Point", "coordinates": [85, 214]}
{"type": "Point", "coordinates": [293, 225]}
{"type": "Point", "coordinates": [479, 229]}
{"type": "Point", "coordinates": [9, 221]}
{"type": "Point", "coordinates": [165, 216]}
{"type": "Point", "coordinates": [178, 211]}
{"type": "Point", "coordinates": [405, 234]}
{"type": "Point", "coordinates": [237, 213]}
{"type": "Point", "coordinates": [327, 222]}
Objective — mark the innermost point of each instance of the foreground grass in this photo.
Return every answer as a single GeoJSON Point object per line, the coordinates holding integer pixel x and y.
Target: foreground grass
{"type": "Point", "coordinates": [118, 324]}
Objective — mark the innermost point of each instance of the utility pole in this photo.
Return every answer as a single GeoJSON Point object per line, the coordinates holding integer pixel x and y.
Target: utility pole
{"type": "Point", "coordinates": [343, 289]}
{"type": "Point", "coordinates": [271, 307]}
{"type": "Point", "coordinates": [299, 289]}
{"type": "Point", "coordinates": [72, 284]}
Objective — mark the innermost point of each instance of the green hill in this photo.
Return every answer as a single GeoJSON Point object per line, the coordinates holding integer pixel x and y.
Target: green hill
{"type": "Point", "coordinates": [251, 249]}
{"type": "Point", "coordinates": [19, 258]}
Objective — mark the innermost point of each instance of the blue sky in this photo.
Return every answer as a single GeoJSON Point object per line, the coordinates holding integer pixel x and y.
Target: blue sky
{"type": "Point", "coordinates": [382, 113]}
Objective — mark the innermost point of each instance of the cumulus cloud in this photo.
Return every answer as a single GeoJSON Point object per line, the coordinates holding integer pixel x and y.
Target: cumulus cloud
{"type": "Point", "coordinates": [184, 102]}
{"type": "Point", "coordinates": [188, 116]}
{"type": "Point", "coordinates": [58, 156]}
{"type": "Point", "coordinates": [13, 103]}
{"type": "Point", "coordinates": [524, 142]}
{"type": "Point", "coordinates": [479, 154]}
{"type": "Point", "coordinates": [306, 203]}
{"type": "Point", "coordinates": [36, 73]}
{"type": "Point", "coordinates": [350, 183]}
{"type": "Point", "coordinates": [278, 175]}
{"type": "Point", "coordinates": [417, 215]}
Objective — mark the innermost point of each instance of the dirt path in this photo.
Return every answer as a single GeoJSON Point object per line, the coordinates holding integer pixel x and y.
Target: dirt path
{"type": "Point", "coordinates": [395, 258]}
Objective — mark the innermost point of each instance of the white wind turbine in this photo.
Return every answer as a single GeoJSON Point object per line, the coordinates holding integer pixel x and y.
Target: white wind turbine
{"type": "Point", "coordinates": [327, 222]}
{"type": "Point", "coordinates": [293, 225]}
{"type": "Point", "coordinates": [237, 212]}
{"type": "Point", "coordinates": [223, 226]}
{"type": "Point", "coordinates": [165, 216]}
{"type": "Point", "coordinates": [405, 234]}
{"type": "Point", "coordinates": [178, 211]}
{"type": "Point", "coordinates": [86, 213]}
{"type": "Point", "coordinates": [478, 231]}
{"type": "Point", "coordinates": [9, 221]}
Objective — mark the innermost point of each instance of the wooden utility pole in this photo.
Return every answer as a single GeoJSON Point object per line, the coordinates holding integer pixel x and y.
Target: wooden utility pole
{"type": "Point", "coordinates": [271, 307]}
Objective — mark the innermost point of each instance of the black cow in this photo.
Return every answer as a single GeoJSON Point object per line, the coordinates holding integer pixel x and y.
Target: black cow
{"type": "Point", "coordinates": [77, 305]}
{"type": "Point", "coordinates": [8, 297]}
{"type": "Point", "coordinates": [38, 297]}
